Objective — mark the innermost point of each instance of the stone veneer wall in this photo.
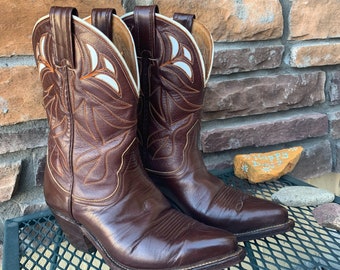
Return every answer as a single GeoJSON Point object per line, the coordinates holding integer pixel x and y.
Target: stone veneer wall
{"type": "Point", "coordinates": [275, 83]}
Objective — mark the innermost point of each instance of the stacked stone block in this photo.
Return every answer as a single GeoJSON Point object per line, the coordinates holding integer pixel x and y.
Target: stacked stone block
{"type": "Point", "coordinates": [275, 83]}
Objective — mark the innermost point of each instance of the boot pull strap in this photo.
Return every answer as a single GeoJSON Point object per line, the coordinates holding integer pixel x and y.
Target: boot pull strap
{"type": "Point", "coordinates": [185, 19]}
{"type": "Point", "coordinates": [144, 18]}
{"type": "Point", "coordinates": [101, 18]}
{"type": "Point", "coordinates": [61, 26]}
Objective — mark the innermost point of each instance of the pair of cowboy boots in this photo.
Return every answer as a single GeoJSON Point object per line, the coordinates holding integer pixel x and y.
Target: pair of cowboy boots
{"type": "Point", "coordinates": [106, 79]}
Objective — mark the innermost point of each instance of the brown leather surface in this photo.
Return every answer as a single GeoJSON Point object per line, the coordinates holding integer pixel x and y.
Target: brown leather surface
{"type": "Point", "coordinates": [185, 19]}
{"type": "Point", "coordinates": [102, 20]}
{"type": "Point", "coordinates": [61, 20]}
{"type": "Point", "coordinates": [145, 31]}
{"type": "Point", "coordinates": [94, 180]}
{"type": "Point", "coordinates": [169, 125]}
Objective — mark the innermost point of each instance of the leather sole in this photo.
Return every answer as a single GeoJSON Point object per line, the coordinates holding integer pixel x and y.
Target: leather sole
{"type": "Point", "coordinates": [265, 232]}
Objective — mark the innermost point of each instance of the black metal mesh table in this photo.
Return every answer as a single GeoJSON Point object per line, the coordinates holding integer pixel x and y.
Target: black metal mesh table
{"type": "Point", "coordinates": [36, 241]}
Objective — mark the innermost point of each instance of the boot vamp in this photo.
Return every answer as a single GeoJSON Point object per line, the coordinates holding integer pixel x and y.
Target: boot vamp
{"type": "Point", "coordinates": [250, 213]}
{"type": "Point", "coordinates": [138, 225]}
{"type": "Point", "coordinates": [207, 199]}
{"type": "Point", "coordinates": [145, 233]}
{"type": "Point", "coordinates": [238, 212]}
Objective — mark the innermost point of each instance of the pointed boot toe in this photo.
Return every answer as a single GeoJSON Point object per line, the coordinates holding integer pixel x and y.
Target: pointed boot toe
{"type": "Point", "coordinates": [258, 218]}
{"type": "Point", "coordinates": [248, 217]}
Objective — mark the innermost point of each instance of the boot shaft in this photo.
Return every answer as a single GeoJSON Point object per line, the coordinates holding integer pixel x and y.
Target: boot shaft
{"type": "Point", "coordinates": [175, 66]}
{"type": "Point", "coordinates": [90, 96]}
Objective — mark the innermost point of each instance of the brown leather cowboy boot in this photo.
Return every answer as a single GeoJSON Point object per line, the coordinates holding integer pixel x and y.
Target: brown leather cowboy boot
{"type": "Point", "coordinates": [175, 65]}
{"type": "Point", "coordinates": [94, 182]}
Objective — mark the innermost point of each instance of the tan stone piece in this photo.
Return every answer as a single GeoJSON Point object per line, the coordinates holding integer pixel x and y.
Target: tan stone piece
{"type": "Point", "coordinates": [315, 55]}
{"type": "Point", "coordinates": [314, 19]}
{"type": "Point", "coordinates": [8, 179]}
{"type": "Point", "coordinates": [20, 95]}
{"type": "Point", "coordinates": [261, 167]}
{"type": "Point", "coordinates": [230, 20]}
{"type": "Point", "coordinates": [18, 17]}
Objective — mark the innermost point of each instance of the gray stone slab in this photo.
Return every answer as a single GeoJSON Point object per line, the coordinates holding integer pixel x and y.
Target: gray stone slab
{"type": "Point", "coordinates": [229, 59]}
{"type": "Point", "coordinates": [298, 196]}
{"type": "Point", "coordinates": [21, 204]}
{"type": "Point", "coordinates": [256, 95]}
{"type": "Point", "coordinates": [262, 131]}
